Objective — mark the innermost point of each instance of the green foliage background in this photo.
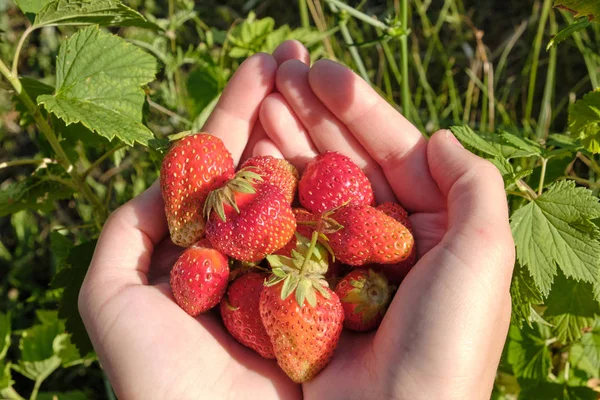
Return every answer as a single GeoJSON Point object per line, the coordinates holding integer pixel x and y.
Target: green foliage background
{"type": "Point", "coordinates": [517, 82]}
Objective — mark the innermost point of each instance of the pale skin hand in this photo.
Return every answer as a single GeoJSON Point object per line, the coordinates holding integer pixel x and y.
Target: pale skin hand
{"type": "Point", "coordinates": [443, 334]}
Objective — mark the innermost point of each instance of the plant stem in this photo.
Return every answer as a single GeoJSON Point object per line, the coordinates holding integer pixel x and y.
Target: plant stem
{"type": "Point", "coordinates": [351, 48]}
{"type": "Point", "coordinates": [27, 161]}
{"type": "Point", "coordinates": [36, 389]}
{"type": "Point", "coordinates": [525, 188]}
{"type": "Point", "coordinates": [103, 157]}
{"type": "Point", "coordinates": [404, 60]}
{"type": "Point", "coordinates": [589, 162]}
{"type": "Point", "coordinates": [15, 64]}
{"type": "Point", "coordinates": [542, 176]}
{"type": "Point", "coordinates": [50, 136]}
{"type": "Point", "coordinates": [168, 112]}
{"type": "Point", "coordinates": [536, 57]}
{"type": "Point", "coordinates": [358, 14]}
{"type": "Point", "coordinates": [304, 13]}
{"type": "Point", "coordinates": [313, 243]}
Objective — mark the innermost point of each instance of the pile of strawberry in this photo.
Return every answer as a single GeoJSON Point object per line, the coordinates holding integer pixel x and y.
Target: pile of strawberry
{"type": "Point", "coordinates": [269, 248]}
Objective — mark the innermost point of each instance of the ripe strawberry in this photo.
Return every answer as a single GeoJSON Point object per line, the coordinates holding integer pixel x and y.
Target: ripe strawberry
{"type": "Point", "coordinates": [365, 295]}
{"type": "Point", "coordinates": [397, 212]}
{"type": "Point", "coordinates": [331, 180]}
{"type": "Point", "coordinates": [199, 278]}
{"type": "Point", "coordinates": [241, 314]}
{"type": "Point", "coordinates": [249, 219]}
{"type": "Point", "coordinates": [194, 166]}
{"type": "Point", "coordinates": [395, 273]}
{"type": "Point", "coordinates": [277, 172]}
{"type": "Point", "coordinates": [304, 335]}
{"type": "Point", "coordinates": [369, 236]}
{"type": "Point", "coordinates": [305, 328]}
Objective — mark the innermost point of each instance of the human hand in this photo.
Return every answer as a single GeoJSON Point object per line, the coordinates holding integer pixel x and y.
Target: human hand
{"type": "Point", "coordinates": [443, 334]}
{"type": "Point", "coordinates": [149, 347]}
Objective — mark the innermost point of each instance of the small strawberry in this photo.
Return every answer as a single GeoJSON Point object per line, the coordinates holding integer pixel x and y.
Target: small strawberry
{"type": "Point", "coordinates": [369, 236]}
{"type": "Point", "coordinates": [331, 180]}
{"type": "Point", "coordinates": [194, 166]}
{"type": "Point", "coordinates": [395, 273]}
{"type": "Point", "coordinates": [199, 278]}
{"type": "Point", "coordinates": [241, 314]}
{"type": "Point", "coordinates": [304, 328]}
{"type": "Point", "coordinates": [277, 172]}
{"type": "Point", "coordinates": [365, 295]}
{"type": "Point", "coordinates": [249, 219]}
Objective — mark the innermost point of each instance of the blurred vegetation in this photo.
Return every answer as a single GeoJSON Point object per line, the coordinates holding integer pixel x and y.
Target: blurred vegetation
{"type": "Point", "coordinates": [479, 63]}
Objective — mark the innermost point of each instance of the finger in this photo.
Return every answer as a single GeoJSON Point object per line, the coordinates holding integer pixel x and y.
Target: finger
{"type": "Point", "coordinates": [291, 50]}
{"type": "Point", "coordinates": [124, 250]}
{"type": "Point", "coordinates": [260, 145]}
{"type": "Point", "coordinates": [237, 110]}
{"type": "Point", "coordinates": [476, 200]}
{"type": "Point", "coordinates": [395, 144]}
{"type": "Point", "coordinates": [286, 131]}
{"type": "Point", "coordinates": [326, 131]}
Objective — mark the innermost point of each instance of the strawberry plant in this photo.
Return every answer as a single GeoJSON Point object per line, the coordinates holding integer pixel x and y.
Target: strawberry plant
{"type": "Point", "coordinates": [112, 87]}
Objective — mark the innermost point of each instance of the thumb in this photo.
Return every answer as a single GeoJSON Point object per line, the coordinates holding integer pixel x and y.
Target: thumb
{"type": "Point", "coordinates": [475, 200]}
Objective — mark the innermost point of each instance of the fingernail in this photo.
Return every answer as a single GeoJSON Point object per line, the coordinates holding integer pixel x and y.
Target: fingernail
{"type": "Point", "coordinates": [453, 139]}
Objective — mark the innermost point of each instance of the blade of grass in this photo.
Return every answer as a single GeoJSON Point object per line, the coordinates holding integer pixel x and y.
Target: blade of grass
{"type": "Point", "coordinates": [537, 45]}
{"type": "Point", "coordinates": [543, 125]}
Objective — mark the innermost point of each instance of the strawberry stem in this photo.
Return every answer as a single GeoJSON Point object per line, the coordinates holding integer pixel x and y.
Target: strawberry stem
{"type": "Point", "coordinates": [313, 244]}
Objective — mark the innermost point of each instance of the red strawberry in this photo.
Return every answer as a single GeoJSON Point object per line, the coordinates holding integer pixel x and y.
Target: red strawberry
{"type": "Point", "coordinates": [304, 328]}
{"type": "Point", "coordinates": [250, 219]}
{"type": "Point", "coordinates": [194, 166]}
{"type": "Point", "coordinates": [365, 295]}
{"type": "Point", "coordinates": [331, 180]}
{"type": "Point", "coordinates": [241, 314]}
{"type": "Point", "coordinates": [199, 278]}
{"type": "Point", "coordinates": [397, 212]}
{"type": "Point", "coordinates": [277, 172]}
{"type": "Point", "coordinates": [304, 335]}
{"type": "Point", "coordinates": [369, 236]}
{"type": "Point", "coordinates": [395, 273]}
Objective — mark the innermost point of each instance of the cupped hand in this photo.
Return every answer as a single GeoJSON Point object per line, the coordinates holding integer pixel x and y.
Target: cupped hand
{"type": "Point", "coordinates": [443, 334]}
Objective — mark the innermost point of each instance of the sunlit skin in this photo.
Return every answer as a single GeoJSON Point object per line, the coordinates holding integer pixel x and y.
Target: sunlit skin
{"type": "Point", "coordinates": [443, 334]}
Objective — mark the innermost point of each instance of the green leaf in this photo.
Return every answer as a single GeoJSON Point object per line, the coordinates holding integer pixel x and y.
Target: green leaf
{"type": "Point", "coordinates": [85, 12]}
{"type": "Point", "coordinates": [526, 146]}
{"type": "Point", "coordinates": [538, 390]}
{"type": "Point", "coordinates": [591, 344]}
{"type": "Point", "coordinates": [98, 84]}
{"type": "Point", "coordinates": [202, 88]}
{"type": "Point", "coordinates": [5, 330]}
{"type": "Point", "coordinates": [524, 293]}
{"type": "Point", "coordinates": [203, 116]}
{"type": "Point", "coordinates": [472, 140]}
{"type": "Point", "coordinates": [31, 6]}
{"type": "Point", "coordinates": [248, 37]}
{"type": "Point", "coordinates": [37, 192]}
{"type": "Point", "coordinates": [567, 32]}
{"type": "Point", "coordinates": [584, 120]}
{"type": "Point", "coordinates": [571, 308]}
{"type": "Point", "coordinates": [70, 278]}
{"type": "Point", "coordinates": [38, 359]}
{"type": "Point", "coordinates": [555, 229]}
{"type": "Point", "coordinates": [60, 246]}
{"type": "Point", "coordinates": [581, 361]}
{"type": "Point", "coordinates": [528, 353]}
{"type": "Point", "coordinates": [580, 8]}
{"type": "Point", "coordinates": [6, 382]}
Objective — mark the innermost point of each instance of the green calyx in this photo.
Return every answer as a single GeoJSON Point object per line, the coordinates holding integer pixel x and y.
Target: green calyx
{"type": "Point", "coordinates": [372, 295]}
{"type": "Point", "coordinates": [301, 273]}
{"type": "Point", "coordinates": [242, 182]}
